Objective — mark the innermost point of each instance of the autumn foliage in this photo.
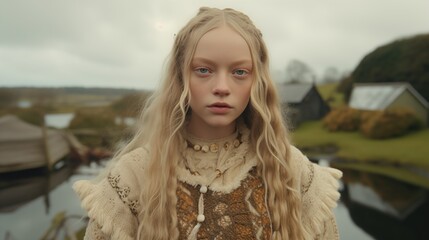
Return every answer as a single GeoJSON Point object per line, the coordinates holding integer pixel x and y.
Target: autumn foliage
{"type": "Point", "coordinates": [342, 119]}
{"type": "Point", "coordinates": [372, 124]}
{"type": "Point", "coordinates": [389, 123]}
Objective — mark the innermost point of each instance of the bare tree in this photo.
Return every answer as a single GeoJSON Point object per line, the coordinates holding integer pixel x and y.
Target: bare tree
{"type": "Point", "coordinates": [330, 75]}
{"type": "Point", "coordinates": [298, 71]}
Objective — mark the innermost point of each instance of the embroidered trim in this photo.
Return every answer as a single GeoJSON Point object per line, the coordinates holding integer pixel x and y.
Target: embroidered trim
{"type": "Point", "coordinates": [96, 231]}
{"type": "Point", "coordinates": [334, 224]}
{"type": "Point", "coordinates": [241, 214]}
{"type": "Point", "coordinates": [223, 171]}
{"type": "Point", "coordinates": [123, 193]}
{"type": "Point", "coordinates": [305, 187]}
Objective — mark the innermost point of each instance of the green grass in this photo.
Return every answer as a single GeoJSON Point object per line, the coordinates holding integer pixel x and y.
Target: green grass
{"type": "Point", "coordinates": [411, 149]}
{"type": "Point", "coordinates": [326, 89]}
{"type": "Point", "coordinates": [329, 94]}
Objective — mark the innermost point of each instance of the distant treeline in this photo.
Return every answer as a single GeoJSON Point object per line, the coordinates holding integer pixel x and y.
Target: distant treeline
{"type": "Point", "coordinates": [30, 91]}
{"type": "Point", "coordinates": [63, 96]}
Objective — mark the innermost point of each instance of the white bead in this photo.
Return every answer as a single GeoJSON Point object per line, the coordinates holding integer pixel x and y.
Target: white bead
{"type": "Point", "coordinates": [201, 218]}
{"type": "Point", "coordinates": [197, 147]}
{"type": "Point", "coordinates": [205, 148]}
{"type": "Point", "coordinates": [203, 189]}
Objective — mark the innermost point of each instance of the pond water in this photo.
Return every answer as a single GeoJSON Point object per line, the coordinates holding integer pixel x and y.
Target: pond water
{"type": "Point", "coordinates": [386, 208]}
{"type": "Point", "coordinates": [28, 205]}
{"type": "Point", "coordinates": [372, 206]}
{"type": "Point", "coordinates": [58, 120]}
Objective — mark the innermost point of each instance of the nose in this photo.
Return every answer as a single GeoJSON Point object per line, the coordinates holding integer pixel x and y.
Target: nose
{"type": "Point", "coordinates": [220, 85]}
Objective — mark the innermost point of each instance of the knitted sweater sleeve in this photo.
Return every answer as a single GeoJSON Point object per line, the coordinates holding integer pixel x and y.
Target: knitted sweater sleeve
{"type": "Point", "coordinates": [330, 230]}
{"type": "Point", "coordinates": [112, 203]}
{"type": "Point", "coordinates": [93, 231]}
{"type": "Point", "coordinates": [319, 194]}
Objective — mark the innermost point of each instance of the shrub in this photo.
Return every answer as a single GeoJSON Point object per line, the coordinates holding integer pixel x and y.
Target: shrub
{"type": "Point", "coordinates": [342, 119]}
{"type": "Point", "coordinates": [388, 123]}
{"type": "Point", "coordinates": [95, 127]}
{"type": "Point", "coordinates": [93, 119]}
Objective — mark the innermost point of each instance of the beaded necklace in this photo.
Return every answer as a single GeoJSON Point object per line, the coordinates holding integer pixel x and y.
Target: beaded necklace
{"type": "Point", "coordinates": [222, 166]}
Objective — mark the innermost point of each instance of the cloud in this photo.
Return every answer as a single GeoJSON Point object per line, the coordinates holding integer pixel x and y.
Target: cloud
{"type": "Point", "coordinates": [124, 44]}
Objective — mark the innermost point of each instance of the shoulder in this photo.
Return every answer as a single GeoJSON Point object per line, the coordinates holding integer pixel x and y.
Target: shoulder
{"type": "Point", "coordinates": [312, 175]}
{"type": "Point", "coordinates": [125, 176]}
{"type": "Point", "coordinates": [319, 191]}
{"type": "Point", "coordinates": [113, 201]}
{"type": "Point", "coordinates": [130, 164]}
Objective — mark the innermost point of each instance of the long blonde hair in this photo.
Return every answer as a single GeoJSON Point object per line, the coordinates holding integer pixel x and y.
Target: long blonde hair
{"type": "Point", "coordinates": [164, 117]}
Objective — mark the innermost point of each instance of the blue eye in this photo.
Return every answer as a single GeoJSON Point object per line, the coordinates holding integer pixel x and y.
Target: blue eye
{"type": "Point", "coordinates": [240, 72]}
{"type": "Point", "coordinates": [203, 70]}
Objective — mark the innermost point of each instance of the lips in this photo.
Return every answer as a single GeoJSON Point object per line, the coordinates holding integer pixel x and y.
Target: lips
{"type": "Point", "coordinates": [220, 105]}
{"type": "Point", "coordinates": [219, 108]}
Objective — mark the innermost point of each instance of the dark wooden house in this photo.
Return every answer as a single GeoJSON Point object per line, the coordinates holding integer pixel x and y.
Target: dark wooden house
{"type": "Point", "coordinates": [301, 102]}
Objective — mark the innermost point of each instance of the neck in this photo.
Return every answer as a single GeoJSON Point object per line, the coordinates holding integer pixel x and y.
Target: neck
{"type": "Point", "coordinates": [211, 132]}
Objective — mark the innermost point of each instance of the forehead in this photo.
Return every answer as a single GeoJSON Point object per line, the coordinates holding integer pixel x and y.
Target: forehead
{"type": "Point", "coordinates": [222, 43]}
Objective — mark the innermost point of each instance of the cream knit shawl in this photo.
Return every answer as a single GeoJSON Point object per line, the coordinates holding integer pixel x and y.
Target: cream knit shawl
{"type": "Point", "coordinates": [112, 203]}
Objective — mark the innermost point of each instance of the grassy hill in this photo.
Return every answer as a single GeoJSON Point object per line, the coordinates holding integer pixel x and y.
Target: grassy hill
{"type": "Point", "coordinates": [330, 95]}
{"type": "Point", "coordinates": [404, 158]}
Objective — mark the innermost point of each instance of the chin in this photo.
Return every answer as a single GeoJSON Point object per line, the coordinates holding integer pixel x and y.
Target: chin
{"type": "Point", "coordinates": [221, 123]}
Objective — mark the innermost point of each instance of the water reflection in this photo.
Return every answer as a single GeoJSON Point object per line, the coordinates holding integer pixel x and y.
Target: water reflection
{"type": "Point", "coordinates": [372, 206]}
{"type": "Point", "coordinates": [20, 188]}
{"type": "Point", "coordinates": [33, 204]}
{"type": "Point", "coordinates": [384, 207]}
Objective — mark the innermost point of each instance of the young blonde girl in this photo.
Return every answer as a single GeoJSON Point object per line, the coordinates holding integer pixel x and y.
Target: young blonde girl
{"type": "Point", "coordinates": [222, 171]}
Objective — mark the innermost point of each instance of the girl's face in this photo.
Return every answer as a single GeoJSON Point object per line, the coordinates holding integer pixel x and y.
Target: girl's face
{"type": "Point", "coordinates": [220, 83]}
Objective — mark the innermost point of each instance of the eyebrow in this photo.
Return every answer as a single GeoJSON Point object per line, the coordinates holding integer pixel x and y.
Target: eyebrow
{"type": "Point", "coordinates": [238, 62]}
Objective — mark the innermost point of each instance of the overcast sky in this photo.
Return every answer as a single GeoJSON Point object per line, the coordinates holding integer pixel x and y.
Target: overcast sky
{"type": "Point", "coordinates": [111, 43]}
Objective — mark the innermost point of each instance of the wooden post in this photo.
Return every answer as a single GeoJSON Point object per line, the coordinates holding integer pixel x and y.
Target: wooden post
{"type": "Point", "coordinates": [49, 162]}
